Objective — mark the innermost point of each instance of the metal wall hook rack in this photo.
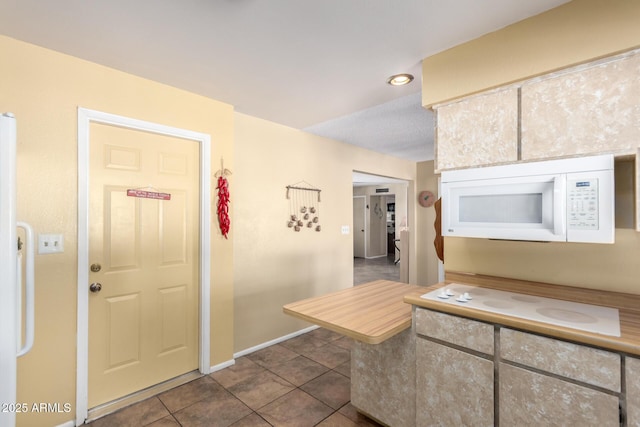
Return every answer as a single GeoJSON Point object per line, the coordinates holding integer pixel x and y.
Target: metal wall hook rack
{"type": "Point", "coordinates": [298, 186]}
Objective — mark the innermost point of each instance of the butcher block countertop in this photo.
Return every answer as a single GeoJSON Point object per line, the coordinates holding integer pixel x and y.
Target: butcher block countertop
{"type": "Point", "coordinates": [371, 313]}
{"type": "Point", "coordinates": [627, 304]}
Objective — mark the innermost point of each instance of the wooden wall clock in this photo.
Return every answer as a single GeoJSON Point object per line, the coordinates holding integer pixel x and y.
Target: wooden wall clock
{"type": "Point", "coordinates": [426, 199]}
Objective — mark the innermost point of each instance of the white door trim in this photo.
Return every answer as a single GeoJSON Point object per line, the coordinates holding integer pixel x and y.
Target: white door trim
{"type": "Point", "coordinates": [85, 118]}
{"type": "Point", "coordinates": [364, 224]}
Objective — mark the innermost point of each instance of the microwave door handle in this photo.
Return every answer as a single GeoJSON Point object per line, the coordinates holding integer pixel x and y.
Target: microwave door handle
{"type": "Point", "coordinates": [559, 204]}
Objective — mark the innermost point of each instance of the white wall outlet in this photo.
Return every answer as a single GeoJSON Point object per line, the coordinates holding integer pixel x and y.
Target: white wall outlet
{"type": "Point", "coordinates": [345, 229]}
{"type": "Point", "coordinates": [50, 243]}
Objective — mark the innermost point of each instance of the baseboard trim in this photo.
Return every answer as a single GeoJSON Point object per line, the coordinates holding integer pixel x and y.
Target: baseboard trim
{"type": "Point", "coordinates": [376, 256]}
{"type": "Point", "coordinates": [67, 424]}
{"type": "Point", "coordinates": [222, 365]}
{"type": "Point", "coordinates": [275, 341]}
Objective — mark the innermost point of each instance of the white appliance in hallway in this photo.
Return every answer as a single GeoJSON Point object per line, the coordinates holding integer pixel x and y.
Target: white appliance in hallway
{"type": "Point", "coordinates": [12, 344]}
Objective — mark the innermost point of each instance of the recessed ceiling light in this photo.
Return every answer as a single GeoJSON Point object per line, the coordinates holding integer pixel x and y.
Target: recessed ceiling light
{"type": "Point", "coordinates": [400, 79]}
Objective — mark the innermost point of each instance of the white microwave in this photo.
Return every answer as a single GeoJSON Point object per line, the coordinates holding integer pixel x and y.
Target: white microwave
{"type": "Point", "coordinates": [565, 200]}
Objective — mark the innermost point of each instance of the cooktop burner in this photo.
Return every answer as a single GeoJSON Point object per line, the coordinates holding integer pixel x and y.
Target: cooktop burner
{"type": "Point", "coordinates": [585, 317]}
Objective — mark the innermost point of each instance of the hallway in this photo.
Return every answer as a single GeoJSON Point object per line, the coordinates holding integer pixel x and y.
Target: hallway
{"type": "Point", "coordinates": [368, 270]}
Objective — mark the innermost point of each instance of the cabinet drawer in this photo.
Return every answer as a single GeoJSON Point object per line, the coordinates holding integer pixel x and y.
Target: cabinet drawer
{"type": "Point", "coordinates": [589, 365]}
{"type": "Point", "coordinates": [532, 399]}
{"type": "Point", "coordinates": [456, 330]}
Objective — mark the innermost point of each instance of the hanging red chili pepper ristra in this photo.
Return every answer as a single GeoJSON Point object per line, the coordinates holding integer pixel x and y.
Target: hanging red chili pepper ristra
{"type": "Point", "coordinates": [223, 205]}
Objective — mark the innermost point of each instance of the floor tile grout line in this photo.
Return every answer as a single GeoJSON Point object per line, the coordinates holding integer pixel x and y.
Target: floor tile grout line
{"type": "Point", "coordinates": [299, 388]}
{"type": "Point", "coordinates": [165, 407]}
{"type": "Point", "coordinates": [332, 414]}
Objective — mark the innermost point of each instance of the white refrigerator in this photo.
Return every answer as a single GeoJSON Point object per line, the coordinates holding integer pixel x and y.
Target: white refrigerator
{"type": "Point", "coordinates": [16, 303]}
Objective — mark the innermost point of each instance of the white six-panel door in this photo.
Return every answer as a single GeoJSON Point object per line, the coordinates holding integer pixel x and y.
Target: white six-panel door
{"type": "Point", "coordinates": [143, 254]}
{"type": "Point", "coordinates": [157, 317]}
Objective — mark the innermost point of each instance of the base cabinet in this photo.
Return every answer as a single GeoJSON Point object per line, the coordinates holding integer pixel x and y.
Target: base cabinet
{"type": "Point", "coordinates": [473, 373]}
{"type": "Point", "coordinates": [632, 376]}
{"type": "Point", "coordinates": [383, 380]}
{"type": "Point", "coordinates": [454, 388]}
{"type": "Point", "coordinates": [454, 370]}
{"type": "Point", "coordinates": [530, 398]}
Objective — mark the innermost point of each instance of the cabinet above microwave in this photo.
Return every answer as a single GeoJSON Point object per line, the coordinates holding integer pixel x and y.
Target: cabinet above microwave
{"type": "Point", "coordinates": [566, 200]}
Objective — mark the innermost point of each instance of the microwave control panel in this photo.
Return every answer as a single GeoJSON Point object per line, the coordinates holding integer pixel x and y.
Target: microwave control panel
{"type": "Point", "coordinates": [582, 204]}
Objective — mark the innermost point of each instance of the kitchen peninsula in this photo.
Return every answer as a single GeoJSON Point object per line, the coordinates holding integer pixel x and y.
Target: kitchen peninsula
{"type": "Point", "coordinates": [423, 362]}
{"type": "Point", "coordinates": [383, 354]}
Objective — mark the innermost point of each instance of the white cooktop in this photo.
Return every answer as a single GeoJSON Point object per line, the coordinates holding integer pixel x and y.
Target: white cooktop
{"type": "Point", "coordinates": [585, 317]}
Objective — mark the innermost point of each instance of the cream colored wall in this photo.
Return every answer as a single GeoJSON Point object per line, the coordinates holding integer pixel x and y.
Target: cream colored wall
{"type": "Point", "coordinates": [427, 260]}
{"type": "Point", "coordinates": [576, 32]}
{"type": "Point", "coordinates": [43, 89]}
{"type": "Point", "coordinates": [275, 265]}
{"type": "Point", "coordinates": [608, 267]}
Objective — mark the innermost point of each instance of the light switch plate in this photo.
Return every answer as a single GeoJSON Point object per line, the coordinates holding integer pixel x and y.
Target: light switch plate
{"type": "Point", "coordinates": [345, 229]}
{"type": "Point", "coordinates": [50, 243]}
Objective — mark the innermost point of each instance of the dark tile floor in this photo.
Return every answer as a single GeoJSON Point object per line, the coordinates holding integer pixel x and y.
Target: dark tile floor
{"type": "Point", "coordinates": [304, 381]}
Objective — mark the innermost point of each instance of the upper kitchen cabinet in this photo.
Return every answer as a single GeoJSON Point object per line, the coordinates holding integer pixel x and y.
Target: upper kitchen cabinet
{"type": "Point", "coordinates": [477, 130]}
{"type": "Point", "coordinates": [589, 109]}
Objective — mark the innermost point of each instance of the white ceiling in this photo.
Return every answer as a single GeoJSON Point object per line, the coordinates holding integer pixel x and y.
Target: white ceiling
{"type": "Point", "coordinates": [320, 66]}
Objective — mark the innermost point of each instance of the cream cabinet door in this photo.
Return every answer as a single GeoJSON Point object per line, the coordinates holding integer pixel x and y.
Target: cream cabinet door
{"type": "Point", "coordinates": [479, 130]}
{"type": "Point", "coordinates": [584, 111]}
{"type": "Point", "coordinates": [453, 388]}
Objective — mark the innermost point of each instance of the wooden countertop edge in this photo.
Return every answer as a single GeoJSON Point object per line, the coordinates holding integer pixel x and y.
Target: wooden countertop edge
{"type": "Point", "coordinates": [365, 338]}
{"type": "Point", "coordinates": [622, 344]}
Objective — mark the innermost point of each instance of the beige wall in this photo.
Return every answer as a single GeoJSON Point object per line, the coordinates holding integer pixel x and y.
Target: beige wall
{"type": "Point", "coordinates": [608, 267]}
{"type": "Point", "coordinates": [573, 33]}
{"type": "Point", "coordinates": [576, 32]}
{"type": "Point", "coordinates": [427, 260]}
{"type": "Point", "coordinates": [273, 264]}
{"type": "Point", "coordinates": [43, 89]}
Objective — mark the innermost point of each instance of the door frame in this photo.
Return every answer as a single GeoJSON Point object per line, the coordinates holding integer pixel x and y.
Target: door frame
{"type": "Point", "coordinates": [85, 118]}
{"type": "Point", "coordinates": [364, 223]}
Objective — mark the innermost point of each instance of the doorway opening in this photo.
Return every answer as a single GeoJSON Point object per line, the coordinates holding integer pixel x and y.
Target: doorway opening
{"type": "Point", "coordinates": [380, 213]}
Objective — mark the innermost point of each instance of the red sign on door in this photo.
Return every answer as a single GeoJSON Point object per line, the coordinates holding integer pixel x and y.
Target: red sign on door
{"type": "Point", "coordinates": [148, 194]}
